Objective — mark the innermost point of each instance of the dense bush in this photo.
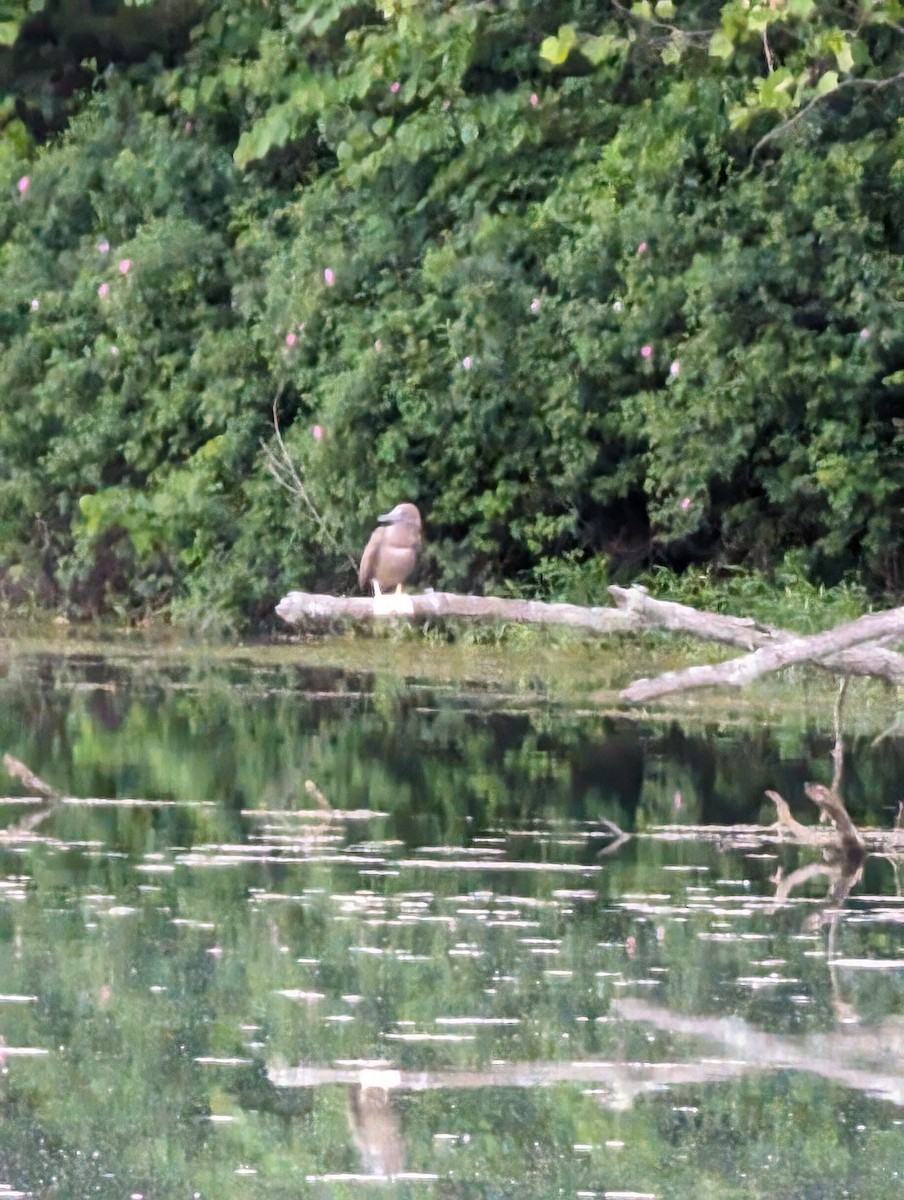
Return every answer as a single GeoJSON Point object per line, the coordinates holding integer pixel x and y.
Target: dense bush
{"type": "Point", "coordinates": [595, 290]}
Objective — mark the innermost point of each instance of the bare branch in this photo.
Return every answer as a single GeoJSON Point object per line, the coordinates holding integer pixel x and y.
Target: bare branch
{"type": "Point", "coordinates": [284, 471]}
{"type": "Point", "coordinates": [738, 672]}
{"type": "Point", "coordinates": [693, 34]}
{"type": "Point", "coordinates": [783, 126]}
{"type": "Point", "coordinates": [838, 748]}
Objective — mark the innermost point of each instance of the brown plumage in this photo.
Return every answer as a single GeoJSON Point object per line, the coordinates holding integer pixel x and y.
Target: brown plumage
{"type": "Point", "coordinates": [391, 553]}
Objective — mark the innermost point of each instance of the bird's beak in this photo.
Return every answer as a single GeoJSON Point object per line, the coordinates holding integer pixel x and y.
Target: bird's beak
{"type": "Point", "coordinates": [389, 518]}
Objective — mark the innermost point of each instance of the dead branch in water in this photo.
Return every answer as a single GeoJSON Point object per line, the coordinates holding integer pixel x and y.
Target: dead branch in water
{"type": "Point", "coordinates": [18, 770]}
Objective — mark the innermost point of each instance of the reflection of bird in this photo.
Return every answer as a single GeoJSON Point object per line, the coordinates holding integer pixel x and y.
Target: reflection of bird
{"type": "Point", "coordinates": [391, 552]}
{"type": "Point", "coordinates": [376, 1129]}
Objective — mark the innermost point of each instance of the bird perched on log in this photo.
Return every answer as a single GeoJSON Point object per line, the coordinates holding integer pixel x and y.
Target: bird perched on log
{"type": "Point", "coordinates": [390, 555]}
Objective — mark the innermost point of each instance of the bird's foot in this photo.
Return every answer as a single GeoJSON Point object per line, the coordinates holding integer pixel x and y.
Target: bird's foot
{"type": "Point", "coordinates": [393, 604]}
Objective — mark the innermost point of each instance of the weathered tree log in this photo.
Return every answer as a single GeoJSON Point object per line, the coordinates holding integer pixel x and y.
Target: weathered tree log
{"type": "Point", "coordinates": [838, 650]}
{"type": "Point", "coordinates": [738, 672]}
{"type": "Point", "coordinates": [749, 634]}
{"type": "Point", "coordinates": [298, 608]}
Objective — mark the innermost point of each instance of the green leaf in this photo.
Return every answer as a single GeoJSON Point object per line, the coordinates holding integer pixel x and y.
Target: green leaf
{"type": "Point", "coordinates": [598, 49]}
{"type": "Point", "coordinates": [844, 57]}
{"type": "Point", "coordinates": [827, 83]}
{"type": "Point", "coordinates": [740, 116]}
{"type": "Point", "coordinates": [721, 45]}
{"type": "Point", "coordinates": [556, 49]}
{"type": "Point", "coordinates": [672, 52]}
{"type": "Point", "coordinates": [801, 9]}
{"type": "Point", "coordinates": [774, 90]}
{"type": "Point", "coordinates": [664, 9]}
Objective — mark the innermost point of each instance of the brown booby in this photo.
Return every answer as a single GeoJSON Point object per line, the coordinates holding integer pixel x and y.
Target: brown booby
{"type": "Point", "coordinates": [391, 553]}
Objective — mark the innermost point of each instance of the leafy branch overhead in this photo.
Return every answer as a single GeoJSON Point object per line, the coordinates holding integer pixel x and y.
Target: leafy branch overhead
{"type": "Point", "coordinates": [792, 52]}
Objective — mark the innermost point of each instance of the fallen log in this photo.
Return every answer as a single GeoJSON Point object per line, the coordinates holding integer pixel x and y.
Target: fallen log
{"type": "Point", "coordinates": [300, 608]}
{"type": "Point", "coordinates": [738, 672]}
{"type": "Point", "coordinates": [842, 650]}
{"type": "Point", "coordinates": [750, 635]}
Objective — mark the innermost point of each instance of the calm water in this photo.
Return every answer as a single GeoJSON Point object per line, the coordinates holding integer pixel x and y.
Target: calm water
{"type": "Point", "coordinates": [295, 932]}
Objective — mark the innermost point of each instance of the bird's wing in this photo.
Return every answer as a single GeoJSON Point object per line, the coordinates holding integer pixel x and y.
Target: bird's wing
{"type": "Point", "coordinates": [368, 559]}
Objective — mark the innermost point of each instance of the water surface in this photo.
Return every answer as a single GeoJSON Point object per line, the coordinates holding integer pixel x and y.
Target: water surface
{"type": "Point", "coordinates": [303, 931]}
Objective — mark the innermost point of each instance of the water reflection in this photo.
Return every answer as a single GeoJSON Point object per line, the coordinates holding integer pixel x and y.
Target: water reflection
{"type": "Point", "coordinates": [273, 930]}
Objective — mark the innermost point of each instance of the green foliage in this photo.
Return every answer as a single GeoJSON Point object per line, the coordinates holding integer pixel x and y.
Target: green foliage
{"type": "Point", "coordinates": [596, 287]}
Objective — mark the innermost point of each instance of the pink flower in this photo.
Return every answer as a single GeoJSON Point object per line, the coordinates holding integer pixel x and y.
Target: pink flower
{"type": "Point", "coordinates": [329, 277]}
{"type": "Point", "coordinates": [290, 339]}
{"type": "Point", "coordinates": [103, 246]}
{"type": "Point", "coordinates": [378, 345]}
{"type": "Point", "coordinates": [125, 266]}
{"type": "Point", "coordinates": [467, 362]}
{"type": "Point", "coordinates": [646, 352]}
{"type": "Point", "coordinates": [103, 291]}
{"type": "Point", "coordinates": [864, 335]}
{"type": "Point", "coordinates": [685, 503]}
{"type": "Point", "coordinates": [23, 185]}
{"type": "Point", "coordinates": [534, 99]}
{"type": "Point", "coordinates": [535, 305]}
{"type": "Point", "coordinates": [35, 305]}
{"type": "Point", "coordinates": [394, 87]}
{"type": "Point", "coordinates": [317, 432]}
{"type": "Point", "coordinates": [675, 368]}
{"type": "Point", "coordinates": [642, 248]}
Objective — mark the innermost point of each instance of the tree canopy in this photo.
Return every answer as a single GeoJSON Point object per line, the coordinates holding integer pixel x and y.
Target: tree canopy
{"type": "Point", "coordinates": [596, 285]}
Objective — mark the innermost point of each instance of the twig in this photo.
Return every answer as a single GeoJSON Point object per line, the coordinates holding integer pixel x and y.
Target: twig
{"type": "Point", "coordinates": [694, 34]}
{"type": "Point", "coordinates": [784, 126]}
{"type": "Point", "coordinates": [18, 770]}
{"type": "Point", "coordinates": [831, 808]}
{"type": "Point", "coordinates": [838, 749]}
{"type": "Point", "coordinates": [810, 836]}
{"type": "Point", "coordinates": [285, 473]}
{"type": "Point", "coordinates": [770, 62]}
{"type": "Point", "coordinates": [316, 794]}
{"type": "Point", "coordinates": [618, 834]}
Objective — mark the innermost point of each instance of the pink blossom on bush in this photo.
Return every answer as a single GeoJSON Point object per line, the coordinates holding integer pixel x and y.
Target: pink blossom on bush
{"type": "Point", "coordinates": [103, 246]}
{"type": "Point", "coordinates": [23, 185]}
{"type": "Point", "coordinates": [864, 335]}
{"type": "Point", "coordinates": [329, 277]}
{"type": "Point", "coordinates": [467, 362]}
{"type": "Point", "coordinates": [642, 248]}
{"type": "Point", "coordinates": [646, 351]}
{"type": "Point", "coordinates": [317, 432]}
{"type": "Point", "coordinates": [378, 345]}
{"type": "Point", "coordinates": [35, 305]}
{"type": "Point", "coordinates": [290, 339]}
{"type": "Point", "coordinates": [675, 368]}
{"type": "Point", "coordinates": [125, 266]}
{"type": "Point", "coordinates": [685, 503]}
{"type": "Point", "coordinates": [535, 305]}
{"type": "Point", "coordinates": [103, 291]}
{"type": "Point", "coordinates": [394, 87]}
{"type": "Point", "coordinates": [534, 99]}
